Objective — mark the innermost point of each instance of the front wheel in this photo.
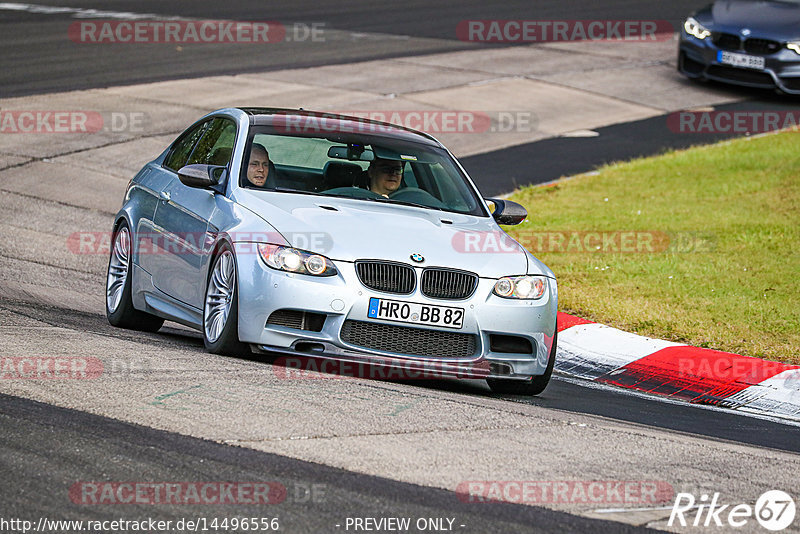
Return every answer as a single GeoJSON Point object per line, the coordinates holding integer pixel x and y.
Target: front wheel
{"type": "Point", "coordinates": [531, 386]}
{"type": "Point", "coordinates": [119, 302]}
{"type": "Point", "coordinates": [221, 310]}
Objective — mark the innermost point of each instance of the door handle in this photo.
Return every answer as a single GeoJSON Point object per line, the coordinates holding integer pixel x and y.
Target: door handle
{"type": "Point", "coordinates": [164, 196]}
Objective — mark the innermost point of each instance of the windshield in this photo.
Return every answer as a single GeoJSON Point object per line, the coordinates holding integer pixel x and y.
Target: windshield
{"type": "Point", "coordinates": [364, 168]}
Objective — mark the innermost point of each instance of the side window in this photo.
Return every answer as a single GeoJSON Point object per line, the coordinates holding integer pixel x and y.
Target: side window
{"type": "Point", "coordinates": [216, 145]}
{"type": "Point", "coordinates": [183, 147]}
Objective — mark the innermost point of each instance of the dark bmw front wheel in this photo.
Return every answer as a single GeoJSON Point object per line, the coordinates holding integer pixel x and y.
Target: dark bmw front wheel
{"type": "Point", "coordinates": [221, 309]}
{"type": "Point", "coordinates": [119, 303]}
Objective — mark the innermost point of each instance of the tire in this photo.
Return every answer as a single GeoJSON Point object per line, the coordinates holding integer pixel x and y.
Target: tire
{"type": "Point", "coordinates": [119, 302]}
{"type": "Point", "coordinates": [221, 306]}
{"type": "Point", "coordinates": [532, 386]}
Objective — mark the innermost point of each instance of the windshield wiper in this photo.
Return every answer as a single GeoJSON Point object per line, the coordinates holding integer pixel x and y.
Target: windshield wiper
{"type": "Point", "coordinates": [377, 199]}
{"type": "Point", "coordinates": [304, 192]}
{"type": "Point", "coordinates": [290, 190]}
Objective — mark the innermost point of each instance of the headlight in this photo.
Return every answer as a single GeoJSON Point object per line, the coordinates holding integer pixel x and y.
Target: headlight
{"type": "Point", "coordinates": [295, 261]}
{"type": "Point", "coordinates": [692, 27]}
{"type": "Point", "coordinates": [793, 46]}
{"type": "Point", "coordinates": [520, 287]}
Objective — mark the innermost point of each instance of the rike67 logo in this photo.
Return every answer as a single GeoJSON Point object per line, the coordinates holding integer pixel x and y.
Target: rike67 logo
{"type": "Point", "coordinates": [774, 510]}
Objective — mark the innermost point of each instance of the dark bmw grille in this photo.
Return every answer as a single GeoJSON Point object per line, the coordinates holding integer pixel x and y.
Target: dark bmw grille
{"type": "Point", "coordinates": [388, 277]}
{"type": "Point", "coordinates": [448, 284]}
{"type": "Point", "coordinates": [727, 41]}
{"type": "Point", "coordinates": [761, 47]}
{"type": "Point", "coordinates": [754, 45]}
{"type": "Point", "coordinates": [406, 340]}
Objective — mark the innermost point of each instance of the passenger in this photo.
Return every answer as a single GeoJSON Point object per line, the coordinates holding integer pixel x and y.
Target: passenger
{"type": "Point", "coordinates": [258, 170]}
{"type": "Point", "coordinates": [385, 176]}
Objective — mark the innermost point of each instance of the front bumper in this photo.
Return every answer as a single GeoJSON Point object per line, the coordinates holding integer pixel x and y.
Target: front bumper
{"type": "Point", "coordinates": [697, 58]}
{"type": "Point", "coordinates": [340, 298]}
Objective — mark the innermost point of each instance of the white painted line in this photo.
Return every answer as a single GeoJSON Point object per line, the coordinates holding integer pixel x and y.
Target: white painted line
{"type": "Point", "coordinates": [581, 133]}
{"type": "Point", "coordinates": [80, 13]}
{"type": "Point", "coordinates": [618, 510]}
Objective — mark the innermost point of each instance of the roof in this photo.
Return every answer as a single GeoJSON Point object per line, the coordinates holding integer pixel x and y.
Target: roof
{"type": "Point", "coordinates": [307, 122]}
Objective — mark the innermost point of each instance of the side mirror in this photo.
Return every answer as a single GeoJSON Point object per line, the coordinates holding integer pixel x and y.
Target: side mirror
{"type": "Point", "coordinates": [507, 212]}
{"type": "Point", "coordinates": [202, 176]}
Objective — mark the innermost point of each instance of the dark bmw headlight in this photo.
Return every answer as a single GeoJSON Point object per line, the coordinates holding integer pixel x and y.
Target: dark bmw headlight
{"type": "Point", "coordinates": [692, 27]}
{"type": "Point", "coordinates": [520, 287]}
{"type": "Point", "coordinates": [793, 46]}
{"type": "Point", "coordinates": [295, 261]}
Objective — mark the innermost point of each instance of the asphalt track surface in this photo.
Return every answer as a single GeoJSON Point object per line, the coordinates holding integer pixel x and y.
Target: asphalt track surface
{"type": "Point", "coordinates": [37, 59]}
{"type": "Point", "coordinates": [561, 394]}
{"type": "Point", "coordinates": [39, 438]}
{"type": "Point", "coordinates": [48, 448]}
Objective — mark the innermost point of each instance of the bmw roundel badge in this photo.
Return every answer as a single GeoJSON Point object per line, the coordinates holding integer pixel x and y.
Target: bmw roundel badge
{"type": "Point", "coordinates": [417, 257]}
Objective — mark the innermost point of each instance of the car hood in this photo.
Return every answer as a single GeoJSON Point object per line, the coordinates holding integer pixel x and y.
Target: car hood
{"type": "Point", "coordinates": [777, 20]}
{"type": "Point", "coordinates": [349, 230]}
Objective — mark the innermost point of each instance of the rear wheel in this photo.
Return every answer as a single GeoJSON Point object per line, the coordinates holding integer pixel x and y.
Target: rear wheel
{"type": "Point", "coordinates": [221, 309]}
{"type": "Point", "coordinates": [119, 302]}
{"type": "Point", "coordinates": [531, 386]}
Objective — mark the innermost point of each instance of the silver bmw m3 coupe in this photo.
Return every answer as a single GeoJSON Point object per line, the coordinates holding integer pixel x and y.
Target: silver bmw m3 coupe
{"type": "Point", "coordinates": [309, 234]}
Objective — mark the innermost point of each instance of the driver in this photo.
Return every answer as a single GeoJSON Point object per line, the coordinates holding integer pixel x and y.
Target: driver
{"type": "Point", "coordinates": [385, 176]}
{"type": "Point", "coordinates": [259, 167]}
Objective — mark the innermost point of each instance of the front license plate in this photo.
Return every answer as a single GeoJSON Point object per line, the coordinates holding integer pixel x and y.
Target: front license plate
{"type": "Point", "coordinates": [740, 60]}
{"type": "Point", "coordinates": [416, 313]}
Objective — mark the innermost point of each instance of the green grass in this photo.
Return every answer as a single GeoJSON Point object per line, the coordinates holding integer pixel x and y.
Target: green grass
{"type": "Point", "coordinates": [724, 221]}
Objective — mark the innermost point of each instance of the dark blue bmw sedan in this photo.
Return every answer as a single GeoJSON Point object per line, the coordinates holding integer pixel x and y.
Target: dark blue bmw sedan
{"type": "Point", "coordinates": [753, 43]}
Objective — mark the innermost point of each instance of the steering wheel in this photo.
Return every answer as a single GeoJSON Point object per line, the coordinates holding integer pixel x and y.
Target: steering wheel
{"type": "Point", "coordinates": [417, 196]}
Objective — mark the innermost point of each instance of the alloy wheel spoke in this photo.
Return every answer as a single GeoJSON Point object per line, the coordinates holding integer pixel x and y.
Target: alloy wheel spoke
{"type": "Point", "coordinates": [118, 267]}
{"type": "Point", "coordinates": [218, 296]}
